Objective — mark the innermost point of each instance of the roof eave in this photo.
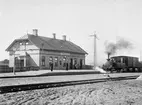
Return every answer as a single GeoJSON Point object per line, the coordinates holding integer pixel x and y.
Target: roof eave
{"type": "Point", "coordinates": [13, 43]}
{"type": "Point", "coordinates": [10, 45]}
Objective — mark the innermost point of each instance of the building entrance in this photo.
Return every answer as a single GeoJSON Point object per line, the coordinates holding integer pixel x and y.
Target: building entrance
{"type": "Point", "coordinates": [22, 63]}
{"type": "Point", "coordinates": [19, 64]}
{"type": "Point", "coordinates": [80, 63]}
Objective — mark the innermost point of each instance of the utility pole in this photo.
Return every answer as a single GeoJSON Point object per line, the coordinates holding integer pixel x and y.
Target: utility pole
{"type": "Point", "coordinates": [95, 52]}
{"type": "Point", "coordinates": [14, 63]}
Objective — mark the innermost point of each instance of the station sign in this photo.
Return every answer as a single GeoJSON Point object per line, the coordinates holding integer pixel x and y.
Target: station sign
{"type": "Point", "coordinates": [65, 54]}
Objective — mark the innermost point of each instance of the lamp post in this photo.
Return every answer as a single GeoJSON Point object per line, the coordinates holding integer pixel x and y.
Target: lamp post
{"type": "Point", "coordinates": [14, 63]}
{"type": "Point", "coordinates": [42, 45]}
{"type": "Point", "coordinates": [14, 50]}
{"type": "Point", "coordinates": [95, 52]}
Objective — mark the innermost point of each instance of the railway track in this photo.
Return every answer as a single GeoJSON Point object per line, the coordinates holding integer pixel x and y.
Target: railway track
{"type": "Point", "coordinates": [16, 88]}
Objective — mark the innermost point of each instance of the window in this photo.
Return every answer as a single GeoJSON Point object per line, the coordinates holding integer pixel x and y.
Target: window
{"type": "Point", "coordinates": [75, 60]}
{"type": "Point", "coordinates": [56, 61]}
{"type": "Point", "coordinates": [64, 60]}
{"type": "Point", "coordinates": [83, 63]}
{"type": "Point", "coordinates": [21, 43]}
{"type": "Point", "coordinates": [50, 60]}
{"type": "Point", "coordinates": [27, 43]}
{"type": "Point", "coordinates": [43, 61]}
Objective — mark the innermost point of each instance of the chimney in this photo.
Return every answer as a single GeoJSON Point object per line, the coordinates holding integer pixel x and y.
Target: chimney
{"type": "Point", "coordinates": [108, 57]}
{"type": "Point", "coordinates": [54, 35]}
{"type": "Point", "coordinates": [64, 37]}
{"type": "Point", "coordinates": [35, 32]}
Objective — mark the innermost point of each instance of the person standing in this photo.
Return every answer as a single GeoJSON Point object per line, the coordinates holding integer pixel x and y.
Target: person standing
{"type": "Point", "coordinates": [67, 66]}
{"type": "Point", "coordinates": [51, 66]}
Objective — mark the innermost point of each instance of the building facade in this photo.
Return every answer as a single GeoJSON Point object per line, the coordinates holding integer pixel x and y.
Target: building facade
{"type": "Point", "coordinates": [33, 50]}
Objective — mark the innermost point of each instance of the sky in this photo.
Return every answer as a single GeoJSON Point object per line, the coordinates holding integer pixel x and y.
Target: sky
{"type": "Point", "coordinates": [77, 19]}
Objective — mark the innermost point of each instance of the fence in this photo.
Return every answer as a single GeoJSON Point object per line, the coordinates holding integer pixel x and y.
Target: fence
{"type": "Point", "coordinates": [6, 68]}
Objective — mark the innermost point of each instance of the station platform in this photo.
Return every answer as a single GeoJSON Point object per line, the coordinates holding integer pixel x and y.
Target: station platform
{"type": "Point", "coordinates": [46, 73]}
{"type": "Point", "coordinates": [43, 76]}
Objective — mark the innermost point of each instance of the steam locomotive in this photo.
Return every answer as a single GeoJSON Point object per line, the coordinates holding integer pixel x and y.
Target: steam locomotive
{"type": "Point", "coordinates": [123, 64]}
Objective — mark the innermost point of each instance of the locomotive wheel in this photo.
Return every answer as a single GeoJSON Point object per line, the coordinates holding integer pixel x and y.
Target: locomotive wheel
{"type": "Point", "coordinates": [140, 69]}
{"type": "Point", "coordinates": [134, 69]}
{"type": "Point", "coordinates": [125, 69]}
{"type": "Point", "coordinates": [111, 70]}
{"type": "Point", "coordinates": [119, 70]}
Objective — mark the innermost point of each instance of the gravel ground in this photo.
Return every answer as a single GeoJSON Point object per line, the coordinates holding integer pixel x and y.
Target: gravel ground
{"type": "Point", "coordinates": [107, 93]}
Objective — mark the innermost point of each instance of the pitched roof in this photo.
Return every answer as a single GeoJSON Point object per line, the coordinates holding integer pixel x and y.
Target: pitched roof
{"type": "Point", "coordinates": [53, 44]}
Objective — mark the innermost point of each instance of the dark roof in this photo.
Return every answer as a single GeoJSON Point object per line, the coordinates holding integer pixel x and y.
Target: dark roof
{"type": "Point", "coordinates": [124, 57]}
{"type": "Point", "coordinates": [51, 44]}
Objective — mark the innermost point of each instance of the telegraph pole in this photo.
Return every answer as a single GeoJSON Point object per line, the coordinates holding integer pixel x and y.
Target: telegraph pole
{"type": "Point", "coordinates": [95, 52]}
{"type": "Point", "coordinates": [14, 64]}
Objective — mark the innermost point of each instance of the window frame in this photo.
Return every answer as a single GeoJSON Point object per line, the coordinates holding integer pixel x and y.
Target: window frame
{"type": "Point", "coordinates": [56, 61]}
{"type": "Point", "coordinates": [43, 61]}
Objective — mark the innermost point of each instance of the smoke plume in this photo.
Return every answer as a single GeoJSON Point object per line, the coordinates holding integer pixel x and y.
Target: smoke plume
{"type": "Point", "coordinates": [123, 44]}
{"type": "Point", "coordinates": [111, 48]}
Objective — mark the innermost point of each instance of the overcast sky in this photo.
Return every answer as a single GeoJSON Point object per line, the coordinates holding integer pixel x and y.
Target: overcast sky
{"type": "Point", "coordinates": [77, 19]}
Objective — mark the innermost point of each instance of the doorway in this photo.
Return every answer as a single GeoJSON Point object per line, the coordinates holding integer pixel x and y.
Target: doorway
{"type": "Point", "coordinates": [22, 63]}
{"type": "Point", "coordinates": [81, 63]}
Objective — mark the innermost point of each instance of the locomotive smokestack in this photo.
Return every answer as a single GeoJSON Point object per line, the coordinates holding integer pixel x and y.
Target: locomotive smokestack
{"type": "Point", "coordinates": [110, 49]}
{"type": "Point", "coordinates": [108, 56]}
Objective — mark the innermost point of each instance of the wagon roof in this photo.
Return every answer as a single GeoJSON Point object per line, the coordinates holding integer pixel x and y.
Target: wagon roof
{"type": "Point", "coordinates": [124, 57]}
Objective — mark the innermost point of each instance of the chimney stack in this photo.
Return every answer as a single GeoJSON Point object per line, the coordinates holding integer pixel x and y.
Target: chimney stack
{"type": "Point", "coordinates": [64, 37]}
{"type": "Point", "coordinates": [54, 35]}
{"type": "Point", "coordinates": [108, 57]}
{"type": "Point", "coordinates": [35, 32]}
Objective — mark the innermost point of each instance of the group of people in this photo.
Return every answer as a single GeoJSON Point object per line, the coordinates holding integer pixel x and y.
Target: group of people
{"type": "Point", "coordinates": [75, 66]}
{"type": "Point", "coordinates": [51, 66]}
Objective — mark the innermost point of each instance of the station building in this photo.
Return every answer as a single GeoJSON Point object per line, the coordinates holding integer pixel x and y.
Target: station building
{"type": "Point", "coordinates": [32, 50]}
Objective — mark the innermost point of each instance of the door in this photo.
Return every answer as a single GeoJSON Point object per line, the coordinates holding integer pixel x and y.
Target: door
{"type": "Point", "coordinates": [80, 63]}
{"type": "Point", "coordinates": [22, 63]}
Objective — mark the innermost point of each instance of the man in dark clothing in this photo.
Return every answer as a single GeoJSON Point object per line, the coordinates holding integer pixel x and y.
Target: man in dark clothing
{"type": "Point", "coordinates": [51, 66]}
{"type": "Point", "coordinates": [67, 66]}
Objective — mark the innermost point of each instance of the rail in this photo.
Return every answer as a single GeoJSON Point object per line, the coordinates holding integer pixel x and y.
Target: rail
{"type": "Point", "coordinates": [16, 88]}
